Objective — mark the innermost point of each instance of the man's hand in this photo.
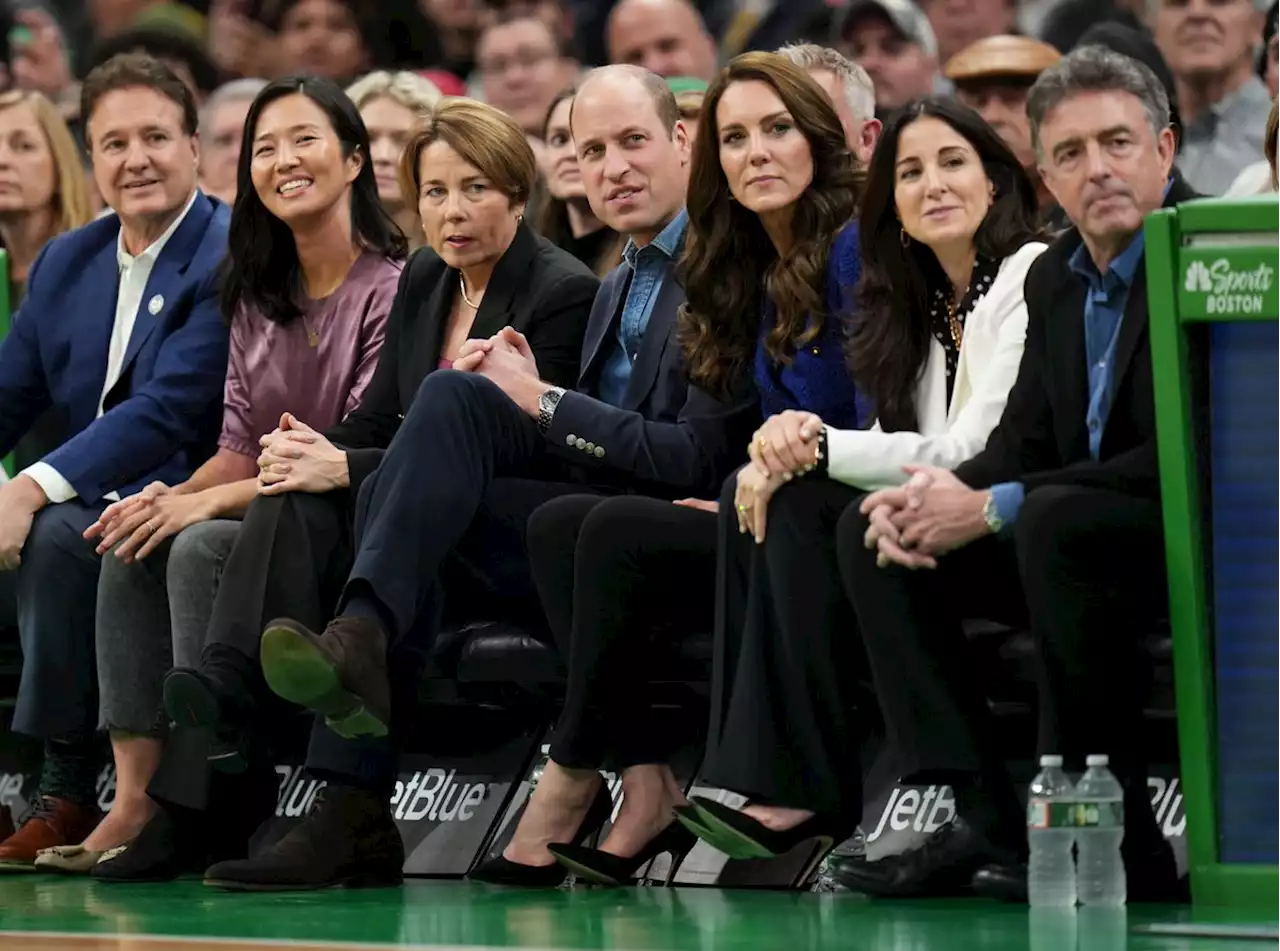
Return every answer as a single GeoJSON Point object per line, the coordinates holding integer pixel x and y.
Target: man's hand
{"type": "Point", "coordinates": [296, 458]}
{"type": "Point", "coordinates": [40, 60]}
{"type": "Point", "coordinates": [19, 502]}
{"type": "Point", "coordinates": [751, 499]}
{"type": "Point", "coordinates": [110, 526]}
{"type": "Point", "coordinates": [932, 514]}
{"type": "Point", "coordinates": [159, 518]}
{"type": "Point", "coordinates": [786, 443]}
{"type": "Point", "coordinates": [508, 361]}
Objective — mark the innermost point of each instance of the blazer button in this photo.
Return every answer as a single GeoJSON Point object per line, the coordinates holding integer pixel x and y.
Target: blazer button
{"type": "Point", "coordinates": [599, 452]}
{"type": "Point", "coordinates": [570, 440]}
{"type": "Point", "coordinates": [580, 443]}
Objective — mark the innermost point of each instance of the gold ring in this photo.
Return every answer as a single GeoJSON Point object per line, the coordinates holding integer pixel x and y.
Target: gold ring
{"type": "Point", "coordinates": [761, 443]}
{"type": "Point", "coordinates": [744, 509]}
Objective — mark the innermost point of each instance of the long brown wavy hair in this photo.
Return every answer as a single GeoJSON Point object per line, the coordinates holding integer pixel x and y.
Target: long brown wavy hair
{"type": "Point", "coordinates": [729, 261]}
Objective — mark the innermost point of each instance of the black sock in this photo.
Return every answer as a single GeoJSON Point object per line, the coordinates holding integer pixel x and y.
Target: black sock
{"type": "Point", "coordinates": [70, 771]}
{"type": "Point", "coordinates": [363, 603]}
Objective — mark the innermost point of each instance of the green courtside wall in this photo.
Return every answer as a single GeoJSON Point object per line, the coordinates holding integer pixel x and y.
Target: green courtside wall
{"type": "Point", "coordinates": [1172, 306]}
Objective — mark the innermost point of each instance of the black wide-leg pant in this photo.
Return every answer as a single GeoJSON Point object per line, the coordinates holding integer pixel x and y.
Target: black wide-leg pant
{"type": "Point", "coordinates": [786, 728]}
{"type": "Point", "coordinates": [623, 580]}
{"type": "Point", "coordinates": [1085, 567]}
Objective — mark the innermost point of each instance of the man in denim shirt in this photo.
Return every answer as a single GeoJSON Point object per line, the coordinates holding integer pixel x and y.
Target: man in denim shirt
{"type": "Point", "coordinates": [1056, 524]}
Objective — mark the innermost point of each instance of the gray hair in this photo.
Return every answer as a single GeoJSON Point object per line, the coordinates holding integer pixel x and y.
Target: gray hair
{"type": "Point", "coordinates": [859, 90]}
{"type": "Point", "coordinates": [410, 90]}
{"type": "Point", "coordinates": [1096, 69]}
{"type": "Point", "coordinates": [238, 90]}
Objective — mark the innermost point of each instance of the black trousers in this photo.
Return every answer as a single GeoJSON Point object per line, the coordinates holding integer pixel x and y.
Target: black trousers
{"type": "Point", "coordinates": [786, 728]}
{"type": "Point", "coordinates": [1085, 567]}
{"type": "Point", "coordinates": [623, 580]}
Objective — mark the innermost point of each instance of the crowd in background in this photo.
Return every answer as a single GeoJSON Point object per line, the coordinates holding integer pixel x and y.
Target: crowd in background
{"type": "Point", "coordinates": [451, 256]}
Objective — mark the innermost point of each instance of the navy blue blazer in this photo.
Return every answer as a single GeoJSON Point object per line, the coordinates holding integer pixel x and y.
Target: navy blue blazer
{"type": "Point", "coordinates": [161, 418]}
{"type": "Point", "coordinates": [668, 438]}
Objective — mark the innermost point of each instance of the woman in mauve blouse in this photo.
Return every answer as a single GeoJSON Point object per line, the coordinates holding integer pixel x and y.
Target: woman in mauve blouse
{"type": "Point", "coordinates": [312, 269]}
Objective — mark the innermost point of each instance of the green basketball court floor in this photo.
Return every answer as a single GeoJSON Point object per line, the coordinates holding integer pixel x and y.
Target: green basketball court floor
{"type": "Point", "coordinates": [39, 913]}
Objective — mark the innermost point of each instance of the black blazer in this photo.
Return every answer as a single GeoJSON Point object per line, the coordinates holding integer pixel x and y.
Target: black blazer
{"type": "Point", "coordinates": [541, 291]}
{"type": "Point", "coordinates": [1042, 437]}
{"type": "Point", "coordinates": [668, 438]}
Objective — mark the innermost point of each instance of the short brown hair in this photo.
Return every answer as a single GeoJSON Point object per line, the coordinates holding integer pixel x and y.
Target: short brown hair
{"type": "Point", "coordinates": [486, 137]}
{"type": "Point", "coordinates": [129, 71]}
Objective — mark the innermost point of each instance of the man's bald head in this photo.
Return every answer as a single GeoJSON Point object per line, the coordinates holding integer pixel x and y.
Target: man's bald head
{"type": "Point", "coordinates": [608, 81]}
{"type": "Point", "coordinates": [667, 37]}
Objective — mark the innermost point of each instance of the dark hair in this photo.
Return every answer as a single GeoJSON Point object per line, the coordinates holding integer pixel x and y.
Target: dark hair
{"type": "Point", "coordinates": [262, 267]}
{"type": "Point", "coordinates": [129, 71]}
{"type": "Point", "coordinates": [518, 12]}
{"type": "Point", "coordinates": [729, 261]}
{"type": "Point", "coordinates": [162, 43]}
{"type": "Point", "coordinates": [889, 343]}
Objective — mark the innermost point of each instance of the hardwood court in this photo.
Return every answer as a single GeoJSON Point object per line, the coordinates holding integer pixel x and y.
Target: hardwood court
{"type": "Point", "coordinates": [55, 914]}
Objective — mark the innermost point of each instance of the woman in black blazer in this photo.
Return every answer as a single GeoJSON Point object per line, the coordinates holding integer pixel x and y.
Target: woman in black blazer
{"type": "Point", "coordinates": [470, 170]}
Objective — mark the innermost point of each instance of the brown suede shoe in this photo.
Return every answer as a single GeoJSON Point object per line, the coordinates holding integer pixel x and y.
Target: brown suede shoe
{"type": "Point", "coordinates": [52, 822]}
{"type": "Point", "coordinates": [341, 673]}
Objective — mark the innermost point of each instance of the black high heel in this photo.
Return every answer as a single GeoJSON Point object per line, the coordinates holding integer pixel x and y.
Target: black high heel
{"type": "Point", "coordinates": [605, 868]}
{"type": "Point", "coordinates": [741, 837]}
{"type": "Point", "coordinates": [501, 871]}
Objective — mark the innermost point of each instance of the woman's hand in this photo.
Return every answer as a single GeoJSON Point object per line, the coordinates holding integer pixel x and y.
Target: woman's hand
{"type": "Point", "coordinates": [296, 458]}
{"type": "Point", "coordinates": [786, 443]}
{"type": "Point", "coordinates": [703, 505]}
{"type": "Point", "coordinates": [110, 524]}
{"type": "Point", "coordinates": [154, 521]}
{"type": "Point", "coordinates": [751, 499]}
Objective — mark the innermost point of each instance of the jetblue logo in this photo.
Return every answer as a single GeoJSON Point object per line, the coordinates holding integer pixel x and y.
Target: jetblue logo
{"type": "Point", "coordinates": [434, 795]}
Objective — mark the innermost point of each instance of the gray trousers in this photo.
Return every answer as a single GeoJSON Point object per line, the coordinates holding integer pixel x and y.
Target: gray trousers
{"type": "Point", "coordinates": [152, 616]}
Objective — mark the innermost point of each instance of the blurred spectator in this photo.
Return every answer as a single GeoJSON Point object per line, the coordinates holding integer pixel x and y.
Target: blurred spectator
{"type": "Point", "coordinates": [457, 27]}
{"type": "Point", "coordinates": [850, 90]}
{"type": "Point", "coordinates": [893, 41]}
{"type": "Point", "coordinates": [39, 60]}
{"type": "Point", "coordinates": [667, 37]}
{"type": "Point", "coordinates": [1209, 46]}
{"type": "Point", "coordinates": [993, 77]}
{"type": "Point", "coordinates": [221, 128]}
{"type": "Point", "coordinates": [390, 104]}
{"type": "Point", "coordinates": [1137, 43]}
{"type": "Point", "coordinates": [554, 13]}
{"type": "Point", "coordinates": [43, 193]}
{"type": "Point", "coordinates": [960, 23]}
{"type": "Point", "coordinates": [330, 38]}
{"type": "Point", "coordinates": [689, 93]}
{"type": "Point", "coordinates": [523, 65]}
{"type": "Point", "coordinates": [237, 42]}
{"type": "Point", "coordinates": [1269, 58]}
{"type": "Point", "coordinates": [446, 82]}
{"type": "Point", "coordinates": [110, 17]}
{"type": "Point", "coordinates": [1066, 22]}
{"type": "Point", "coordinates": [1260, 177]}
{"type": "Point", "coordinates": [563, 215]}
{"type": "Point", "coordinates": [179, 52]}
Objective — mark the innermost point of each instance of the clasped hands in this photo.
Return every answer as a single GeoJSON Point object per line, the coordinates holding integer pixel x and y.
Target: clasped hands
{"type": "Point", "coordinates": [784, 447]}
{"type": "Point", "coordinates": [931, 514]}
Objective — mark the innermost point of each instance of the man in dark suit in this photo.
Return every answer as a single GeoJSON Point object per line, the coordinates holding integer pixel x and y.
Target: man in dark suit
{"type": "Point", "coordinates": [479, 449]}
{"type": "Point", "coordinates": [1057, 522]}
{"type": "Point", "coordinates": [120, 331]}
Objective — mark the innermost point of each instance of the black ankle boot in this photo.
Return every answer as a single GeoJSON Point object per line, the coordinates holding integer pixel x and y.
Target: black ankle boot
{"type": "Point", "coordinates": [349, 839]}
{"type": "Point", "coordinates": [218, 695]}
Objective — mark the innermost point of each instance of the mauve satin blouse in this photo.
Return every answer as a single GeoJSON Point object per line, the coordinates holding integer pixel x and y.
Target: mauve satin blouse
{"type": "Point", "coordinates": [273, 368]}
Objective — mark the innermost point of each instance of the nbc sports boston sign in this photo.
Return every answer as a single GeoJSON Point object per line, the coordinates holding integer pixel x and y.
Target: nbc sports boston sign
{"type": "Point", "coordinates": [1227, 282]}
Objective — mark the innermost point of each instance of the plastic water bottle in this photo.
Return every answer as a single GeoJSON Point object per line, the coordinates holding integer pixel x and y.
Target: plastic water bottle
{"type": "Point", "coordinates": [1099, 832]}
{"type": "Point", "coordinates": [1051, 872]}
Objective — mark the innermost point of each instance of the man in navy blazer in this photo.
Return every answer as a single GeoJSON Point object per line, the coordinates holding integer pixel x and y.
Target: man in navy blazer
{"type": "Point", "coordinates": [479, 450]}
{"type": "Point", "coordinates": [121, 331]}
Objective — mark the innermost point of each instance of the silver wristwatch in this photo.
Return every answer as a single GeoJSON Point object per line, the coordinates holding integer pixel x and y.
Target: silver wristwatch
{"type": "Point", "coordinates": [991, 515]}
{"type": "Point", "coordinates": [547, 404]}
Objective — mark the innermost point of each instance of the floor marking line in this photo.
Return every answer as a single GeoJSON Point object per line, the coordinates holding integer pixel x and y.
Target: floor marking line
{"type": "Point", "coordinates": [261, 942]}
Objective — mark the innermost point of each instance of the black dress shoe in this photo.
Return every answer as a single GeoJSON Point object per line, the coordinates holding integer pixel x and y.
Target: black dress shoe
{"type": "Point", "coordinates": [340, 674]}
{"type": "Point", "coordinates": [740, 836]}
{"type": "Point", "coordinates": [502, 871]}
{"type": "Point", "coordinates": [1151, 876]}
{"type": "Point", "coordinates": [219, 695]}
{"type": "Point", "coordinates": [605, 868]}
{"type": "Point", "coordinates": [1002, 882]}
{"type": "Point", "coordinates": [348, 839]}
{"type": "Point", "coordinates": [943, 866]}
{"type": "Point", "coordinates": [166, 848]}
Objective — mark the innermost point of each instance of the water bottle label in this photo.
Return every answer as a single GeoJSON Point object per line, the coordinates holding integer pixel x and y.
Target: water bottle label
{"type": "Point", "coordinates": [1099, 815]}
{"type": "Point", "coordinates": [1046, 814]}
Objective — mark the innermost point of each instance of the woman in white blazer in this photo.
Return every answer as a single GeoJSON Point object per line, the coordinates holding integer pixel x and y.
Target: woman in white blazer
{"type": "Point", "coordinates": [948, 226]}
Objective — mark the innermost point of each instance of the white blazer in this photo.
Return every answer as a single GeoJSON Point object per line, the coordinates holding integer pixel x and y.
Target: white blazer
{"type": "Point", "coordinates": [990, 353]}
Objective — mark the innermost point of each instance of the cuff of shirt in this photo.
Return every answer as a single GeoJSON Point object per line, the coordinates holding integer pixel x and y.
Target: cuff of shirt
{"type": "Point", "coordinates": [50, 479]}
{"type": "Point", "coordinates": [1007, 498]}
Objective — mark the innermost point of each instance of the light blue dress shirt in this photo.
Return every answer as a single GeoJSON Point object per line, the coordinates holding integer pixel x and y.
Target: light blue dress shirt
{"type": "Point", "coordinates": [650, 265]}
{"type": "Point", "coordinates": [1104, 304]}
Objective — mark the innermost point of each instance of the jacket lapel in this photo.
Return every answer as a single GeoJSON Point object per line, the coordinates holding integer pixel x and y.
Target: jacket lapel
{"type": "Point", "coordinates": [164, 282]}
{"type": "Point", "coordinates": [430, 341]}
{"type": "Point", "coordinates": [656, 336]}
{"type": "Point", "coordinates": [508, 278]}
{"type": "Point", "coordinates": [91, 335]}
{"type": "Point", "coordinates": [599, 330]}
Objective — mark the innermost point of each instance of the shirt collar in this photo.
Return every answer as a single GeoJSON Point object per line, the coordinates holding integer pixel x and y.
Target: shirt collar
{"type": "Point", "coordinates": [668, 240]}
{"type": "Point", "coordinates": [125, 259]}
{"type": "Point", "coordinates": [1123, 267]}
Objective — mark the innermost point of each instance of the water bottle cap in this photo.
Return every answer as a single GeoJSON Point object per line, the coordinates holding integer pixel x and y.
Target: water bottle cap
{"type": "Point", "coordinates": [1050, 762]}
{"type": "Point", "coordinates": [1097, 760]}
